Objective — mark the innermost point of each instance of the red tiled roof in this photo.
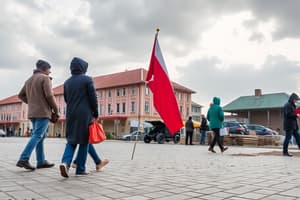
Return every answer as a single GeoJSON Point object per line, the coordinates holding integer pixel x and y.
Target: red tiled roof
{"type": "Point", "coordinates": [10, 100]}
{"type": "Point", "coordinates": [129, 77]}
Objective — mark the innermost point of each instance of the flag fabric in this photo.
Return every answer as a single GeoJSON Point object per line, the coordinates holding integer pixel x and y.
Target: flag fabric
{"type": "Point", "coordinates": [159, 83]}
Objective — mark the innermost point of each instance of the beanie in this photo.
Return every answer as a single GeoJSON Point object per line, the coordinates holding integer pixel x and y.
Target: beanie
{"type": "Point", "coordinates": [43, 65]}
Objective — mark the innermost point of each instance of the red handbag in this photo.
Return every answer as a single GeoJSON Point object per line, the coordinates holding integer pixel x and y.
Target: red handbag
{"type": "Point", "coordinates": [96, 133]}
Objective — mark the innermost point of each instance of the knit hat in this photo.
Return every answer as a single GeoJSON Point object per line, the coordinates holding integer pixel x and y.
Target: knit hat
{"type": "Point", "coordinates": [43, 65]}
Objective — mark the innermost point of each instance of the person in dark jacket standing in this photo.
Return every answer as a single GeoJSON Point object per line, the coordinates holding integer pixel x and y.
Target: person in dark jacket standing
{"type": "Point", "coordinates": [215, 116]}
{"type": "Point", "coordinates": [290, 124]}
{"type": "Point", "coordinates": [37, 93]}
{"type": "Point", "coordinates": [203, 129]}
{"type": "Point", "coordinates": [81, 100]}
{"type": "Point", "coordinates": [189, 130]}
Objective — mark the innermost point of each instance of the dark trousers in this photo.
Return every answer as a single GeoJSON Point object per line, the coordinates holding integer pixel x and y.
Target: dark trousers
{"type": "Point", "coordinates": [189, 134]}
{"type": "Point", "coordinates": [288, 136]}
{"type": "Point", "coordinates": [217, 139]}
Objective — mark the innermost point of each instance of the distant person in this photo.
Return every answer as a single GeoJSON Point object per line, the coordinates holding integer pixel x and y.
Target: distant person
{"type": "Point", "coordinates": [189, 130]}
{"type": "Point", "coordinates": [290, 123]}
{"type": "Point", "coordinates": [203, 128]}
{"type": "Point", "coordinates": [82, 107]}
{"type": "Point", "coordinates": [215, 116]}
{"type": "Point", "coordinates": [37, 93]}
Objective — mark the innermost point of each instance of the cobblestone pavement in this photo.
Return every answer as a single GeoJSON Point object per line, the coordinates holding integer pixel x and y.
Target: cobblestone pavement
{"type": "Point", "coordinates": [157, 171]}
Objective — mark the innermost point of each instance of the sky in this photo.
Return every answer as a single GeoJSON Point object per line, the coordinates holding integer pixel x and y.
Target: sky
{"type": "Point", "coordinates": [223, 48]}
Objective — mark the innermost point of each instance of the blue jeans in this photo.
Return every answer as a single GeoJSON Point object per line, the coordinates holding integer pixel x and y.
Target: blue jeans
{"type": "Point", "coordinates": [39, 130]}
{"type": "Point", "coordinates": [81, 156]}
{"type": "Point", "coordinates": [93, 154]}
{"type": "Point", "coordinates": [203, 136]}
{"type": "Point", "coordinates": [288, 136]}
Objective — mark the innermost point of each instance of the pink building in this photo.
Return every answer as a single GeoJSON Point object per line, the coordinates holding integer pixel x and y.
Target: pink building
{"type": "Point", "coordinates": [124, 103]}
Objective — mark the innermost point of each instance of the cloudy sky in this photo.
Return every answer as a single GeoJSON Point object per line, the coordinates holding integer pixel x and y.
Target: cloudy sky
{"type": "Point", "coordinates": [217, 48]}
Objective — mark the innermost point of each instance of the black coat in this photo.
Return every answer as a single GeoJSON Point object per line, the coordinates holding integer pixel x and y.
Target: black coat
{"type": "Point", "coordinates": [290, 117]}
{"type": "Point", "coordinates": [80, 97]}
{"type": "Point", "coordinates": [204, 126]}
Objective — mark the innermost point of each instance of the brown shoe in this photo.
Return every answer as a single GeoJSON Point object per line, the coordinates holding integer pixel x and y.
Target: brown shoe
{"type": "Point", "coordinates": [25, 164]}
{"type": "Point", "coordinates": [73, 165]}
{"type": "Point", "coordinates": [102, 164]}
{"type": "Point", "coordinates": [64, 170]}
{"type": "Point", "coordinates": [211, 149]}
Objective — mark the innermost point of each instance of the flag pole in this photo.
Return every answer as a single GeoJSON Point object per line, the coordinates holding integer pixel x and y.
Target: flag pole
{"type": "Point", "coordinates": [139, 113]}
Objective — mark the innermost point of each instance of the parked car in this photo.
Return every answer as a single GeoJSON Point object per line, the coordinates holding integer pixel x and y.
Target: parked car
{"type": "Point", "coordinates": [139, 135]}
{"type": "Point", "coordinates": [160, 133]}
{"type": "Point", "coordinates": [236, 127]}
{"type": "Point", "coordinates": [261, 130]}
{"type": "Point", "coordinates": [2, 133]}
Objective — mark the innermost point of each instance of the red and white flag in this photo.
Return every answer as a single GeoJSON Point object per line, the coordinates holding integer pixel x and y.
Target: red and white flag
{"type": "Point", "coordinates": [163, 94]}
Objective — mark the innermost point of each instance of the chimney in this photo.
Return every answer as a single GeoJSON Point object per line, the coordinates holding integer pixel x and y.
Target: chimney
{"type": "Point", "coordinates": [257, 92]}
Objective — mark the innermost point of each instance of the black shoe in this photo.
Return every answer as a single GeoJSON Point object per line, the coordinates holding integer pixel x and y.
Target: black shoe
{"type": "Point", "coordinates": [82, 173]}
{"type": "Point", "coordinates": [25, 164]}
{"type": "Point", "coordinates": [224, 149]}
{"type": "Point", "coordinates": [287, 154]}
{"type": "Point", "coordinates": [46, 164]}
{"type": "Point", "coordinates": [211, 149]}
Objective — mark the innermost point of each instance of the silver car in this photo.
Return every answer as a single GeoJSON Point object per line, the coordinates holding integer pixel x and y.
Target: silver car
{"type": "Point", "coordinates": [2, 133]}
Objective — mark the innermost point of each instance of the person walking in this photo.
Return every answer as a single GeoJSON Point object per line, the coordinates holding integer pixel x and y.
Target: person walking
{"type": "Point", "coordinates": [290, 124]}
{"type": "Point", "coordinates": [189, 130]}
{"type": "Point", "coordinates": [81, 100]}
{"type": "Point", "coordinates": [203, 129]}
{"type": "Point", "coordinates": [97, 160]}
{"type": "Point", "coordinates": [215, 116]}
{"type": "Point", "coordinates": [37, 93]}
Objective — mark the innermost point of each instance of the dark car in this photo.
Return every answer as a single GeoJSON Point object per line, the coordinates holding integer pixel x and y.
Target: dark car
{"type": "Point", "coordinates": [135, 135]}
{"type": "Point", "coordinates": [261, 130]}
{"type": "Point", "coordinates": [236, 127]}
{"type": "Point", "coordinates": [160, 133]}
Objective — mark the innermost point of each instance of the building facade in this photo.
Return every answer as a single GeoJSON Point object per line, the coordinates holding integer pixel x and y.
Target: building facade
{"type": "Point", "coordinates": [264, 109]}
{"type": "Point", "coordinates": [124, 103]}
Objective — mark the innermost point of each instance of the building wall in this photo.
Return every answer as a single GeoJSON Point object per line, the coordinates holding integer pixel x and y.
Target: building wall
{"type": "Point", "coordinates": [114, 121]}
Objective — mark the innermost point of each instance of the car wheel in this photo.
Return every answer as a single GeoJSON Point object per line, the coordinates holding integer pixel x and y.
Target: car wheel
{"type": "Point", "coordinates": [147, 139]}
{"type": "Point", "coordinates": [128, 139]}
{"type": "Point", "coordinates": [176, 138]}
{"type": "Point", "coordinates": [160, 138]}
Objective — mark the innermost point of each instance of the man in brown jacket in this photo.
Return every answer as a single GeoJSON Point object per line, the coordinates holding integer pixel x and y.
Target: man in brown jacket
{"type": "Point", "coordinates": [37, 93]}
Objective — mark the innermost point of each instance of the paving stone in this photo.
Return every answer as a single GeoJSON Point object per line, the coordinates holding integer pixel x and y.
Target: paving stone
{"type": "Point", "coordinates": [157, 172]}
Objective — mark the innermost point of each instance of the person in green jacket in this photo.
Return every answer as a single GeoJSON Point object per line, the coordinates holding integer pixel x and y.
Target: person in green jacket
{"type": "Point", "coordinates": [215, 116]}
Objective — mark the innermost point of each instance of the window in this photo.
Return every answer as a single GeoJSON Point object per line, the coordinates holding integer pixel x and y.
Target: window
{"type": "Point", "coordinates": [118, 93]}
{"type": "Point", "coordinates": [124, 92]}
{"type": "Point", "coordinates": [180, 109]}
{"type": "Point", "coordinates": [132, 107]}
{"type": "Point", "coordinates": [123, 107]}
{"type": "Point", "coordinates": [109, 93]}
{"type": "Point", "coordinates": [100, 109]}
{"type": "Point", "coordinates": [118, 108]}
{"type": "Point", "coordinates": [100, 94]}
{"type": "Point", "coordinates": [179, 96]}
{"type": "Point", "coordinates": [147, 91]}
{"type": "Point", "coordinates": [132, 91]}
{"type": "Point", "coordinates": [147, 109]}
{"type": "Point", "coordinates": [109, 111]}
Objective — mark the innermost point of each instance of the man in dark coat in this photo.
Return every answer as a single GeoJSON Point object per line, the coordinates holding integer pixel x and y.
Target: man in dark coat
{"type": "Point", "coordinates": [290, 124]}
{"type": "Point", "coordinates": [81, 100]}
{"type": "Point", "coordinates": [189, 130]}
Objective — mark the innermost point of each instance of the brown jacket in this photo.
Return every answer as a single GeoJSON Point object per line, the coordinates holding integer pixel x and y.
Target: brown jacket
{"type": "Point", "coordinates": [37, 93]}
